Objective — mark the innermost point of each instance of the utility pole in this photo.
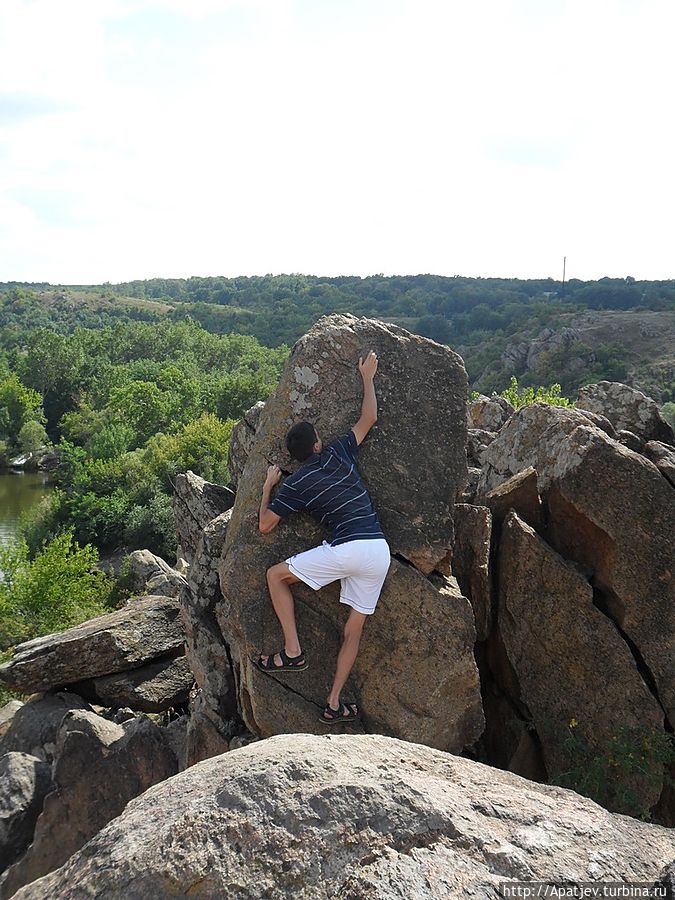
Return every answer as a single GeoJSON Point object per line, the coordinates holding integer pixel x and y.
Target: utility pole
{"type": "Point", "coordinates": [562, 292]}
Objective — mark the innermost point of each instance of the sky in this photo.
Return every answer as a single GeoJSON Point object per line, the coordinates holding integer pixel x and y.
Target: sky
{"type": "Point", "coordinates": [172, 138]}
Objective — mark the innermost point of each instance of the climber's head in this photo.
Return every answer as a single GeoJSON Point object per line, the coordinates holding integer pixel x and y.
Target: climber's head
{"type": "Point", "coordinates": [302, 440]}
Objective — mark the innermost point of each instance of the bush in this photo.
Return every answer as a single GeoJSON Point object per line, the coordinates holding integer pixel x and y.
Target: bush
{"type": "Point", "coordinates": [668, 413]}
{"type": "Point", "coordinates": [518, 397]}
{"type": "Point", "coordinates": [61, 587]}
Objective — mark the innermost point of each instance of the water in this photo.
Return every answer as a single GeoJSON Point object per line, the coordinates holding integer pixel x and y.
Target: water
{"type": "Point", "coordinates": [19, 493]}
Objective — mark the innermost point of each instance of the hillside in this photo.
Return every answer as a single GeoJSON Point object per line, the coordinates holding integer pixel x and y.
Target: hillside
{"type": "Point", "coordinates": [540, 331]}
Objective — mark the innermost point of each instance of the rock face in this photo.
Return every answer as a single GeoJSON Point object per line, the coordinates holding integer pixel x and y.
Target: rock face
{"type": "Point", "coordinates": [214, 706]}
{"type": "Point", "coordinates": [627, 409]}
{"type": "Point", "coordinates": [120, 762]}
{"type": "Point", "coordinates": [572, 664]}
{"type": "Point", "coordinates": [520, 493]}
{"type": "Point", "coordinates": [413, 482]}
{"type": "Point", "coordinates": [489, 413]}
{"type": "Point", "coordinates": [24, 781]}
{"type": "Point", "coordinates": [360, 816]}
{"type": "Point", "coordinates": [197, 502]}
{"type": "Point", "coordinates": [471, 562]}
{"type": "Point", "coordinates": [150, 574]}
{"type": "Point", "coordinates": [35, 724]}
{"type": "Point", "coordinates": [152, 688]}
{"type": "Point", "coordinates": [128, 637]}
{"type": "Point", "coordinates": [612, 512]}
{"type": "Point", "coordinates": [241, 442]}
{"type": "Point", "coordinates": [663, 457]}
{"type": "Point", "coordinates": [533, 436]}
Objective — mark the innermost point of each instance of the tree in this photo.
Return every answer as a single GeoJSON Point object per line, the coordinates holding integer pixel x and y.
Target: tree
{"type": "Point", "coordinates": [32, 437]}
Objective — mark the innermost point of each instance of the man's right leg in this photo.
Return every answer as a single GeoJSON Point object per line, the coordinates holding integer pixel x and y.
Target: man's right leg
{"type": "Point", "coordinates": [279, 580]}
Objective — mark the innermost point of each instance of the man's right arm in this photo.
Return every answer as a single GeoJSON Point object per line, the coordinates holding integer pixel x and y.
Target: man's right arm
{"type": "Point", "coordinates": [367, 370]}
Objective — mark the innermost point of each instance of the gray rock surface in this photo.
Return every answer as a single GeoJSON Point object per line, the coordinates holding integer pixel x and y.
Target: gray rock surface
{"type": "Point", "coordinates": [154, 687]}
{"type": "Point", "coordinates": [572, 665]}
{"type": "Point", "coordinates": [120, 762]}
{"type": "Point", "coordinates": [241, 442]}
{"type": "Point", "coordinates": [627, 409]}
{"type": "Point", "coordinates": [533, 436]}
{"type": "Point", "coordinates": [150, 574]}
{"type": "Point", "coordinates": [120, 640]}
{"type": "Point", "coordinates": [612, 512]}
{"type": "Point", "coordinates": [24, 781]}
{"type": "Point", "coordinates": [663, 457]}
{"type": "Point", "coordinates": [489, 413]}
{"type": "Point", "coordinates": [7, 714]}
{"type": "Point", "coordinates": [428, 691]}
{"type": "Point", "coordinates": [35, 724]}
{"type": "Point", "coordinates": [519, 492]}
{"type": "Point", "coordinates": [352, 816]}
{"type": "Point", "coordinates": [197, 502]}
{"type": "Point", "coordinates": [477, 441]}
{"type": "Point", "coordinates": [471, 562]}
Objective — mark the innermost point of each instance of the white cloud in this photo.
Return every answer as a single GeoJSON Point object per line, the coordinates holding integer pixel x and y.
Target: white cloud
{"type": "Point", "coordinates": [173, 138]}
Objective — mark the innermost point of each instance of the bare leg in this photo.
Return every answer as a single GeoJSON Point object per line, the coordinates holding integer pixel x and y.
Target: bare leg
{"type": "Point", "coordinates": [279, 579]}
{"type": "Point", "coordinates": [347, 655]}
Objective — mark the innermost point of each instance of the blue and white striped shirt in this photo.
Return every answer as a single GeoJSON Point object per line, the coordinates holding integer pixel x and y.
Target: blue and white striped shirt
{"type": "Point", "coordinates": [329, 487]}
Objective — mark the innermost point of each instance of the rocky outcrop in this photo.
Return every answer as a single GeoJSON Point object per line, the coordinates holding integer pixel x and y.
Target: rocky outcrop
{"type": "Point", "coordinates": [213, 706]}
{"type": "Point", "coordinates": [35, 724]}
{"type": "Point", "coordinates": [477, 441]}
{"type": "Point", "coordinates": [413, 482]}
{"type": "Point", "coordinates": [149, 574]}
{"type": "Point", "coordinates": [663, 457]}
{"type": "Point", "coordinates": [489, 413]}
{"type": "Point", "coordinates": [241, 442]}
{"type": "Point", "coordinates": [471, 562]}
{"type": "Point", "coordinates": [573, 666]}
{"type": "Point", "coordinates": [612, 512]}
{"type": "Point", "coordinates": [533, 436]}
{"type": "Point", "coordinates": [24, 781]}
{"type": "Point", "coordinates": [627, 409]}
{"type": "Point", "coordinates": [140, 631]}
{"type": "Point", "coordinates": [7, 713]}
{"type": "Point", "coordinates": [152, 688]}
{"type": "Point", "coordinates": [520, 493]}
{"type": "Point", "coordinates": [120, 762]}
{"type": "Point", "coordinates": [318, 817]}
{"type": "Point", "coordinates": [197, 502]}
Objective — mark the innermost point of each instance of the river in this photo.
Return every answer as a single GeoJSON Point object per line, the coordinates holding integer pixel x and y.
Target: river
{"type": "Point", "coordinates": [19, 493]}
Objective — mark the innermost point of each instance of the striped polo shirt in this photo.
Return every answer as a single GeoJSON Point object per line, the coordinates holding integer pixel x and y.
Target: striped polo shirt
{"type": "Point", "coordinates": [328, 486]}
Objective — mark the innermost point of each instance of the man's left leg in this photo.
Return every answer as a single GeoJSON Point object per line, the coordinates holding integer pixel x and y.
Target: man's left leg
{"type": "Point", "coordinates": [346, 658]}
{"type": "Point", "coordinates": [279, 580]}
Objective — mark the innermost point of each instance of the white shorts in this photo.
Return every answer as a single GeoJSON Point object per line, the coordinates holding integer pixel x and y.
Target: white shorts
{"type": "Point", "coordinates": [360, 565]}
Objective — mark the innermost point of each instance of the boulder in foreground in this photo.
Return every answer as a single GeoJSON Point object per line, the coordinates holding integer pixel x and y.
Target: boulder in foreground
{"type": "Point", "coordinates": [351, 816]}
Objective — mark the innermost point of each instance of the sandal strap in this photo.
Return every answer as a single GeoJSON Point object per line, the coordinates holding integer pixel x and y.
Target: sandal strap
{"type": "Point", "coordinates": [291, 660]}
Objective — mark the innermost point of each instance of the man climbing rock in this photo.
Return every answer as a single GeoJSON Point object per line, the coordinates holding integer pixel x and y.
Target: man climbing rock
{"type": "Point", "coordinates": [329, 487]}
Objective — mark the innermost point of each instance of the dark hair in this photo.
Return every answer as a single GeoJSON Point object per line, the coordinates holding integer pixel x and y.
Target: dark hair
{"type": "Point", "coordinates": [300, 441]}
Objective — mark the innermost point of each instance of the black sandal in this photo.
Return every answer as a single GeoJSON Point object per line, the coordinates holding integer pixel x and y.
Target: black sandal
{"type": "Point", "coordinates": [348, 713]}
{"type": "Point", "coordinates": [288, 663]}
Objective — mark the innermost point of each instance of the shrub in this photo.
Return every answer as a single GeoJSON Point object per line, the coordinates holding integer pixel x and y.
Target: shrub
{"type": "Point", "coordinates": [61, 587]}
{"type": "Point", "coordinates": [518, 397]}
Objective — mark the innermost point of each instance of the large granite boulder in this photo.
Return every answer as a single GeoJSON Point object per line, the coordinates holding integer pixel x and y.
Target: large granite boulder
{"type": "Point", "coordinates": [533, 436]}
{"type": "Point", "coordinates": [197, 502]}
{"type": "Point", "coordinates": [352, 816]}
{"type": "Point", "coordinates": [150, 574]}
{"type": "Point", "coordinates": [415, 674]}
{"type": "Point", "coordinates": [118, 762]}
{"type": "Point", "coordinates": [489, 413]}
{"type": "Point", "coordinates": [627, 409]}
{"type": "Point", "coordinates": [213, 709]}
{"type": "Point", "coordinates": [612, 512]}
{"type": "Point", "coordinates": [154, 687]}
{"type": "Point", "coordinates": [663, 457]}
{"type": "Point", "coordinates": [470, 562]}
{"type": "Point", "coordinates": [241, 442]}
{"type": "Point", "coordinates": [573, 666]}
{"type": "Point", "coordinates": [413, 462]}
{"type": "Point", "coordinates": [24, 782]}
{"type": "Point", "coordinates": [35, 724]}
{"type": "Point", "coordinates": [120, 640]}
